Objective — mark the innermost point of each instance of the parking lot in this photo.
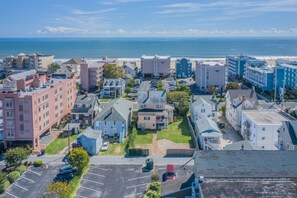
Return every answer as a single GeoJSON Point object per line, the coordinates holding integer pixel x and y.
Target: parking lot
{"type": "Point", "coordinates": [32, 183]}
{"type": "Point", "coordinates": [126, 181]}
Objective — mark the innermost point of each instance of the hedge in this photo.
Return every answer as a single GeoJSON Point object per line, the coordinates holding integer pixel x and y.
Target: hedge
{"type": "Point", "coordinates": [13, 176]}
{"type": "Point", "coordinates": [138, 151]}
{"type": "Point", "coordinates": [38, 163]}
{"type": "Point", "coordinates": [21, 169]}
{"type": "Point", "coordinates": [4, 186]}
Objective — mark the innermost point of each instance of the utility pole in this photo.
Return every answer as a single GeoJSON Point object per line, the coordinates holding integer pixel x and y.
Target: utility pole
{"type": "Point", "coordinates": [68, 138]}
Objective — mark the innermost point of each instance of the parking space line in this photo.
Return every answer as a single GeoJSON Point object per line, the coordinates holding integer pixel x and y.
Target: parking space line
{"type": "Point", "coordinates": [11, 194]}
{"type": "Point", "coordinates": [81, 196]}
{"type": "Point", "coordinates": [20, 186]}
{"type": "Point", "coordinates": [133, 195]}
{"type": "Point", "coordinates": [27, 179]}
{"type": "Point", "coordinates": [90, 189]}
{"type": "Point", "coordinates": [93, 181]}
{"type": "Point", "coordinates": [95, 174]}
{"type": "Point", "coordinates": [139, 178]}
{"type": "Point", "coordinates": [104, 169]}
{"type": "Point", "coordinates": [138, 185]}
{"type": "Point", "coordinates": [34, 172]}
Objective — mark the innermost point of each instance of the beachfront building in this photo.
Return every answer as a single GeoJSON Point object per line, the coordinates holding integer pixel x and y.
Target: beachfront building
{"type": "Point", "coordinates": [286, 72]}
{"type": "Point", "coordinates": [208, 133]}
{"type": "Point", "coordinates": [236, 65]}
{"type": "Point", "coordinates": [155, 66]}
{"type": "Point", "coordinates": [209, 74]}
{"type": "Point", "coordinates": [91, 73]}
{"type": "Point", "coordinates": [115, 118]}
{"type": "Point", "coordinates": [261, 127]}
{"type": "Point", "coordinates": [287, 136]}
{"type": "Point", "coordinates": [32, 61]}
{"type": "Point", "coordinates": [86, 108]}
{"type": "Point", "coordinates": [74, 64]}
{"type": "Point", "coordinates": [183, 68]}
{"type": "Point", "coordinates": [33, 106]}
{"type": "Point", "coordinates": [259, 75]}
{"type": "Point", "coordinates": [154, 113]}
{"type": "Point", "coordinates": [113, 88]}
{"type": "Point", "coordinates": [238, 100]}
{"type": "Point", "coordinates": [130, 69]}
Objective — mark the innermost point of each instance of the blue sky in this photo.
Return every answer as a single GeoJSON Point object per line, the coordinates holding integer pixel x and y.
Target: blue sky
{"type": "Point", "coordinates": [145, 18]}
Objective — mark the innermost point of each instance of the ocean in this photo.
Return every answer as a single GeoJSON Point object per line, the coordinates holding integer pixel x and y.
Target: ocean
{"type": "Point", "coordinates": [136, 47]}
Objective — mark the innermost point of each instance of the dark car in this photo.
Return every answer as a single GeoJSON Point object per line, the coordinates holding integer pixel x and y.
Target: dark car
{"type": "Point", "coordinates": [67, 170]}
{"type": "Point", "coordinates": [64, 177]}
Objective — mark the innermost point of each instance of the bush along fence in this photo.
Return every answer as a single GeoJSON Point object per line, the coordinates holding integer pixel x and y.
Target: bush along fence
{"type": "Point", "coordinates": [193, 133]}
{"type": "Point", "coordinates": [138, 152]}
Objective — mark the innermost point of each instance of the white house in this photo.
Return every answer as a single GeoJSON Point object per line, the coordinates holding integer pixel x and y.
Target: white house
{"type": "Point", "coordinates": [130, 69]}
{"type": "Point", "coordinates": [260, 127]}
{"type": "Point", "coordinates": [238, 100]}
{"type": "Point", "coordinates": [90, 140]}
{"type": "Point", "coordinates": [287, 136]}
{"type": "Point", "coordinates": [201, 106]}
{"type": "Point", "coordinates": [209, 134]}
{"type": "Point", "coordinates": [113, 88]}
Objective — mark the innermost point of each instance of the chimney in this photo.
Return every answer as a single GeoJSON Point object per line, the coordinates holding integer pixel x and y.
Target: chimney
{"type": "Point", "coordinates": [242, 147]}
{"type": "Point", "coordinates": [86, 94]}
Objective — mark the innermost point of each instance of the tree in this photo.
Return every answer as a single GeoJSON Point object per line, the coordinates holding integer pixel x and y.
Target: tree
{"type": "Point", "coordinates": [160, 86]}
{"type": "Point", "coordinates": [128, 90]}
{"type": "Point", "coordinates": [223, 109]}
{"type": "Point", "coordinates": [59, 189]}
{"type": "Point", "coordinates": [155, 177]}
{"type": "Point", "coordinates": [155, 186]}
{"type": "Point", "coordinates": [151, 194]}
{"type": "Point", "coordinates": [54, 67]}
{"type": "Point", "coordinates": [78, 87]}
{"type": "Point", "coordinates": [131, 138]}
{"type": "Point", "coordinates": [212, 89]}
{"type": "Point", "coordinates": [113, 71]}
{"type": "Point", "coordinates": [131, 83]}
{"type": "Point", "coordinates": [15, 156]}
{"type": "Point", "coordinates": [232, 85]}
{"type": "Point", "coordinates": [186, 88]}
{"type": "Point", "coordinates": [79, 158]}
{"type": "Point", "coordinates": [181, 101]}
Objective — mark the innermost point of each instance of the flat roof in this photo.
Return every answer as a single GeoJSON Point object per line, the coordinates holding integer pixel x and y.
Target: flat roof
{"type": "Point", "coordinates": [246, 164]}
{"type": "Point", "coordinates": [265, 117]}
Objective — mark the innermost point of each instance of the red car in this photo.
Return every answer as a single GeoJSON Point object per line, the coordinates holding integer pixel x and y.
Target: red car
{"type": "Point", "coordinates": [170, 173]}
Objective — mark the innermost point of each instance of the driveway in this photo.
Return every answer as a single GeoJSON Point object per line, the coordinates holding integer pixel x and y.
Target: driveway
{"type": "Point", "coordinates": [33, 183]}
{"type": "Point", "coordinates": [126, 181]}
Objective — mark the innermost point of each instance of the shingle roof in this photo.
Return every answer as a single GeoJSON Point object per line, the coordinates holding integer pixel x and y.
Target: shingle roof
{"type": "Point", "coordinates": [241, 145]}
{"type": "Point", "coordinates": [149, 97]}
{"type": "Point", "coordinates": [292, 128]}
{"type": "Point", "coordinates": [91, 133]}
{"type": "Point", "coordinates": [130, 65]}
{"type": "Point", "coordinates": [207, 125]}
{"type": "Point", "coordinates": [22, 75]}
{"type": "Point", "coordinates": [117, 109]}
{"type": "Point", "coordinates": [247, 93]}
{"type": "Point", "coordinates": [74, 61]}
{"type": "Point", "coordinates": [89, 99]}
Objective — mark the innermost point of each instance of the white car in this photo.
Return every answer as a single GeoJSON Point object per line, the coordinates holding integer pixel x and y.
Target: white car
{"type": "Point", "coordinates": [105, 146]}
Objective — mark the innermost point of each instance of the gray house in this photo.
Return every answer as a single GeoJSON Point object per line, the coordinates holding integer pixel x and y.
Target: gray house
{"type": "Point", "coordinates": [113, 88]}
{"type": "Point", "coordinates": [86, 108]}
{"type": "Point", "coordinates": [287, 136]}
{"type": "Point", "coordinates": [115, 119]}
{"type": "Point", "coordinates": [90, 140]}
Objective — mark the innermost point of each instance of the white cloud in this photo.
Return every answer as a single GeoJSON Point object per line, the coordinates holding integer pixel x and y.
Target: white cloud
{"type": "Point", "coordinates": [82, 12]}
{"type": "Point", "coordinates": [59, 30]}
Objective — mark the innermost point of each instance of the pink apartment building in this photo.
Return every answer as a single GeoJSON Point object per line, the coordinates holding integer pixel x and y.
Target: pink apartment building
{"type": "Point", "coordinates": [32, 104]}
{"type": "Point", "coordinates": [155, 66]}
{"type": "Point", "coordinates": [90, 74]}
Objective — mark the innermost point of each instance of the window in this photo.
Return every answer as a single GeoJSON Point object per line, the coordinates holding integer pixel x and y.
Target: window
{"type": "Point", "coordinates": [202, 110]}
{"type": "Point", "coordinates": [8, 103]}
{"type": "Point", "coordinates": [10, 133]}
{"type": "Point", "coordinates": [263, 129]}
{"type": "Point", "coordinates": [8, 113]}
{"type": "Point", "coordinates": [56, 91]}
{"type": "Point", "coordinates": [263, 138]}
{"type": "Point", "coordinates": [143, 106]}
{"type": "Point", "coordinates": [114, 123]}
{"type": "Point", "coordinates": [146, 118]}
{"type": "Point", "coordinates": [9, 123]}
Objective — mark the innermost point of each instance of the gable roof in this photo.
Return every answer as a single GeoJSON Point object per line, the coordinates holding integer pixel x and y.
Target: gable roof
{"type": "Point", "coordinates": [89, 99]}
{"type": "Point", "coordinates": [149, 97]}
{"type": "Point", "coordinates": [241, 145]}
{"type": "Point", "coordinates": [247, 93]}
{"type": "Point", "coordinates": [130, 65]}
{"type": "Point", "coordinates": [91, 133]}
{"type": "Point", "coordinates": [117, 109]}
{"type": "Point", "coordinates": [199, 101]}
{"type": "Point", "coordinates": [292, 129]}
{"type": "Point", "coordinates": [74, 61]}
{"type": "Point", "coordinates": [207, 125]}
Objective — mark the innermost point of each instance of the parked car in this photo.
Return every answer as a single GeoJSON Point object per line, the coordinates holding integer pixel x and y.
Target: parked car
{"type": "Point", "coordinates": [170, 173]}
{"type": "Point", "coordinates": [105, 146]}
{"type": "Point", "coordinates": [64, 177]}
{"type": "Point", "coordinates": [67, 170]}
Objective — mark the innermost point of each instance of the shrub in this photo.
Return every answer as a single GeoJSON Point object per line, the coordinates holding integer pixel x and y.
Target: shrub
{"type": "Point", "coordinates": [13, 176]}
{"type": "Point", "coordinates": [38, 163]}
{"type": "Point", "coordinates": [15, 156]}
{"type": "Point", "coordinates": [137, 151]}
{"type": "Point", "coordinates": [155, 177]}
{"type": "Point", "coordinates": [59, 189]}
{"type": "Point", "coordinates": [21, 169]}
{"type": "Point", "coordinates": [79, 158]}
{"type": "Point", "coordinates": [151, 194]}
{"type": "Point", "coordinates": [26, 163]}
{"type": "Point", "coordinates": [29, 163]}
{"type": "Point", "coordinates": [155, 186]}
{"type": "Point", "coordinates": [4, 186]}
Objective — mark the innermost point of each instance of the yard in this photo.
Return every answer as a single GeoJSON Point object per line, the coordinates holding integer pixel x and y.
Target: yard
{"type": "Point", "coordinates": [104, 99]}
{"type": "Point", "coordinates": [178, 132]}
{"type": "Point", "coordinates": [59, 144]}
{"type": "Point", "coordinates": [143, 137]}
{"type": "Point", "coordinates": [114, 149]}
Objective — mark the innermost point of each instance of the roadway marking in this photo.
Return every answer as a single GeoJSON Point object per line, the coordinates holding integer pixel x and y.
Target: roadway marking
{"type": "Point", "coordinates": [81, 196]}
{"type": "Point", "coordinates": [95, 174]}
{"type": "Point", "coordinates": [11, 194]}
{"type": "Point", "coordinates": [137, 185]}
{"type": "Point", "coordinates": [20, 186]}
{"type": "Point", "coordinates": [104, 169]}
{"type": "Point", "coordinates": [34, 172]}
{"type": "Point", "coordinates": [139, 178]}
{"type": "Point", "coordinates": [90, 189]}
{"type": "Point", "coordinates": [94, 181]}
{"type": "Point", "coordinates": [27, 179]}
{"type": "Point", "coordinates": [133, 195]}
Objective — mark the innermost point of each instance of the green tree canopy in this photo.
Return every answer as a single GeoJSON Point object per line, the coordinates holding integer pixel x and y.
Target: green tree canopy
{"type": "Point", "coordinates": [15, 156]}
{"type": "Point", "coordinates": [58, 189]}
{"type": "Point", "coordinates": [113, 71]}
{"type": "Point", "coordinates": [182, 87]}
{"type": "Point", "coordinates": [181, 101]}
{"type": "Point", "coordinates": [54, 67]}
{"type": "Point", "coordinates": [212, 89]}
{"type": "Point", "coordinates": [79, 158]}
{"type": "Point", "coordinates": [232, 85]}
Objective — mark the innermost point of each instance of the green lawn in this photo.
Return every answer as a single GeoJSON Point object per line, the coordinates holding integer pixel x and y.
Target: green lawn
{"type": "Point", "coordinates": [178, 132]}
{"type": "Point", "coordinates": [143, 137]}
{"type": "Point", "coordinates": [114, 149]}
{"type": "Point", "coordinates": [58, 144]}
{"type": "Point", "coordinates": [104, 99]}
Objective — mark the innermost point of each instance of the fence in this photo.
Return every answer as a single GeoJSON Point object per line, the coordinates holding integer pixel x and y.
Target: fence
{"type": "Point", "coordinates": [180, 152]}
{"type": "Point", "coordinates": [193, 134]}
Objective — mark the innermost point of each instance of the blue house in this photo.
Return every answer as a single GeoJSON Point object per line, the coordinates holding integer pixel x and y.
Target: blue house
{"type": "Point", "coordinates": [183, 68]}
{"type": "Point", "coordinates": [90, 140]}
{"type": "Point", "coordinates": [115, 119]}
